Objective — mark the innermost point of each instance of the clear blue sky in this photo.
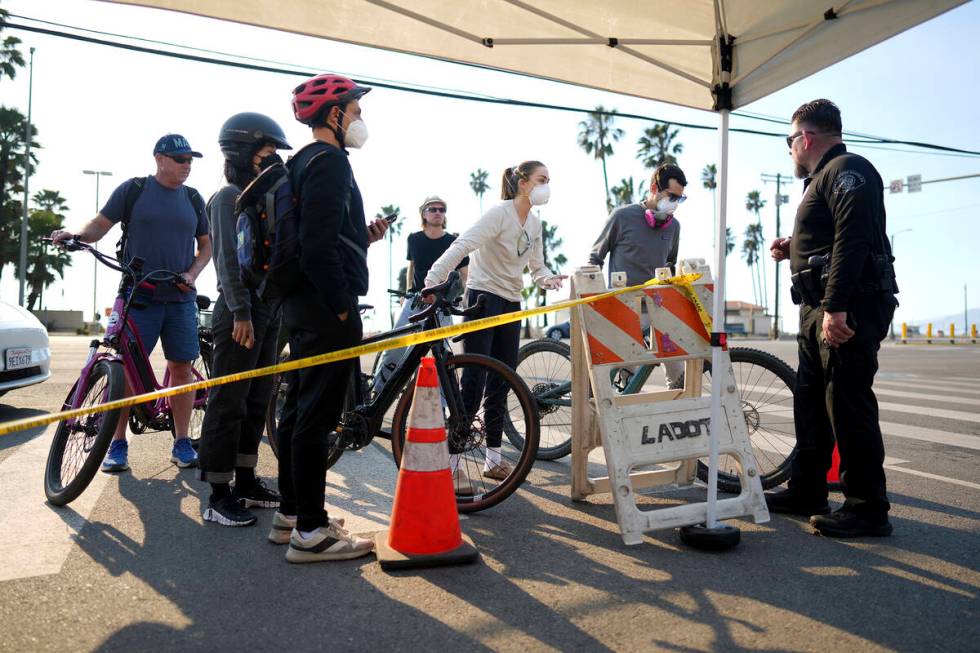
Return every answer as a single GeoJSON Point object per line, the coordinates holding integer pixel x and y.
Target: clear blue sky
{"type": "Point", "coordinates": [102, 108]}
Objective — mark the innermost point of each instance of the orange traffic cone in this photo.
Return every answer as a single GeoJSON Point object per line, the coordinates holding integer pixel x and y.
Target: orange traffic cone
{"type": "Point", "coordinates": [424, 523]}
{"type": "Point", "coordinates": [833, 476]}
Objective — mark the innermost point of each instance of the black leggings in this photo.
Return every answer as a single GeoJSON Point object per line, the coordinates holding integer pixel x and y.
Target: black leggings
{"type": "Point", "coordinates": [501, 343]}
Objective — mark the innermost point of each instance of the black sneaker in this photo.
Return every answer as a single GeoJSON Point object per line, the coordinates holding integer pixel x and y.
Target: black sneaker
{"type": "Point", "coordinates": [259, 496]}
{"type": "Point", "coordinates": [790, 502]}
{"type": "Point", "coordinates": [846, 523]}
{"type": "Point", "coordinates": [228, 511]}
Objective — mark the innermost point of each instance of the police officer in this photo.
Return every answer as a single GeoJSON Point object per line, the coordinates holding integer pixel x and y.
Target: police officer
{"type": "Point", "coordinates": [844, 281]}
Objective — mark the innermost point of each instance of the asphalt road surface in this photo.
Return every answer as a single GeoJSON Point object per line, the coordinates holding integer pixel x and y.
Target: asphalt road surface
{"type": "Point", "coordinates": [131, 566]}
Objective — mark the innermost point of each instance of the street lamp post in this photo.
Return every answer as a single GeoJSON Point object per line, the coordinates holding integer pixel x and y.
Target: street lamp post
{"type": "Point", "coordinates": [27, 182]}
{"type": "Point", "coordinates": [95, 269]}
{"type": "Point", "coordinates": [891, 327]}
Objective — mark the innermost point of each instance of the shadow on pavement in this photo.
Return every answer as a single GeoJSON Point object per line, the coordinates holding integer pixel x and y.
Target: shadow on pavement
{"type": "Point", "coordinates": [10, 413]}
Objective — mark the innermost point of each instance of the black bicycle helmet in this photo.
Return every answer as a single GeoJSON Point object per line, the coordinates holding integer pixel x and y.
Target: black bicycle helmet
{"type": "Point", "coordinates": [245, 133]}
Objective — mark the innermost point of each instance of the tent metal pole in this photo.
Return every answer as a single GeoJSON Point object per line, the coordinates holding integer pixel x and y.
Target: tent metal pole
{"type": "Point", "coordinates": [719, 383]}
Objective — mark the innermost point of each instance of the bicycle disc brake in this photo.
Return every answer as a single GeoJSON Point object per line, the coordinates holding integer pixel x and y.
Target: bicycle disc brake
{"type": "Point", "coordinates": [468, 436]}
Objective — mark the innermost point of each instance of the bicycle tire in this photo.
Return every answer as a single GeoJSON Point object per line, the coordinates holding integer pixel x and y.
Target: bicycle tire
{"type": "Point", "coordinates": [525, 455]}
{"type": "Point", "coordinates": [84, 453]}
{"type": "Point", "coordinates": [201, 370]}
{"type": "Point", "coordinates": [768, 443]}
{"type": "Point", "coordinates": [553, 370]}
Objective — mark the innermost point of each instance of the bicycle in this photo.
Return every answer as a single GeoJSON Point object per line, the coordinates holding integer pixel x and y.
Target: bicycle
{"type": "Point", "coordinates": [765, 384]}
{"type": "Point", "coordinates": [80, 444]}
{"type": "Point", "coordinates": [496, 398]}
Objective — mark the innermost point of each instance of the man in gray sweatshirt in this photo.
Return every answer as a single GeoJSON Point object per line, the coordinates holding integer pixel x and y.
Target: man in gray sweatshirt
{"type": "Point", "coordinates": [641, 237]}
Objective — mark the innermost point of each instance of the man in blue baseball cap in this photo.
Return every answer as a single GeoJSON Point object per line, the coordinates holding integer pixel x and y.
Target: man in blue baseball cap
{"type": "Point", "coordinates": [162, 221]}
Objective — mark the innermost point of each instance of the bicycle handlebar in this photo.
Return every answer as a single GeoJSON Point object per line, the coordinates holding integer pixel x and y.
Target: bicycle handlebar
{"type": "Point", "coordinates": [74, 245]}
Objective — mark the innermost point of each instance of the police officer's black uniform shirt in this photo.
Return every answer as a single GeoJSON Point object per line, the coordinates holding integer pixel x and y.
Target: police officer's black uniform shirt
{"type": "Point", "coordinates": [842, 213]}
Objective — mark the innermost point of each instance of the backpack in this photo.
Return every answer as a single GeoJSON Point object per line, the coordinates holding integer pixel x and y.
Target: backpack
{"type": "Point", "coordinates": [268, 246]}
{"type": "Point", "coordinates": [136, 186]}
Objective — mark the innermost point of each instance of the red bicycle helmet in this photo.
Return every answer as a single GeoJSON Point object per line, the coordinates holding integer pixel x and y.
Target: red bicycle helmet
{"type": "Point", "coordinates": [318, 94]}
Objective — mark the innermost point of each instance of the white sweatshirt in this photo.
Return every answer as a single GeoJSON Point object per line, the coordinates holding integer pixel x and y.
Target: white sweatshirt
{"type": "Point", "coordinates": [499, 248]}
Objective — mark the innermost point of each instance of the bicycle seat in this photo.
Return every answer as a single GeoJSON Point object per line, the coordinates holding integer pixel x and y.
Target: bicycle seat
{"type": "Point", "coordinates": [203, 302]}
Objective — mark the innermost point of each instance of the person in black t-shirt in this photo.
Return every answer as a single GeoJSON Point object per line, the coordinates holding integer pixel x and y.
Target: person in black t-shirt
{"type": "Point", "coordinates": [424, 248]}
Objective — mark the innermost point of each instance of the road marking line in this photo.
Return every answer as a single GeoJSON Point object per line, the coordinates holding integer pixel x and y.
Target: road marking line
{"type": "Point", "coordinates": [960, 415]}
{"type": "Point", "coordinates": [949, 399]}
{"type": "Point", "coordinates": [933, 387]}
{"type": "Point", "coordinates": [36, 538]}
{"type": "Point", "coordinates": [935, 477]}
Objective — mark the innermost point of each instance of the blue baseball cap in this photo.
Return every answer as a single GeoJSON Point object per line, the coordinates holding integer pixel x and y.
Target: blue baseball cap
{"type": "Point", "coordinates": [174, 144]}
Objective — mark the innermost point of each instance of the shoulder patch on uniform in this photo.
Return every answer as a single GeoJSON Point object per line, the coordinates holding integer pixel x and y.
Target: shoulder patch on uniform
{"type": "Point", "coordinates": [848, 181]}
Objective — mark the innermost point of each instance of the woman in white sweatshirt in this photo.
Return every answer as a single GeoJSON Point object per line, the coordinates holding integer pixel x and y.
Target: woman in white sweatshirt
{"type": "Point", "coordinates": [500, 245]}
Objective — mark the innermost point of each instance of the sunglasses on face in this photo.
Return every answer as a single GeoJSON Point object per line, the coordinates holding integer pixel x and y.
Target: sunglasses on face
{"type": "Point", "coordinates": [435, 209]}
{"type": "Point", "coordinates": [181, 159]}
{"type": "Point", "coordinates": [676, 198]}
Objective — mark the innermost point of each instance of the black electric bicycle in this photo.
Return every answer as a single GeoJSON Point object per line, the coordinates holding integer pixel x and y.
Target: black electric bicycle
{"type": "Point", "coordinates": [480, 395]}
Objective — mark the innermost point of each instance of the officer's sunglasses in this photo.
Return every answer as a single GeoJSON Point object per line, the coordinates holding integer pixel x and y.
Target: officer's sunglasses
{"type": "Point", "coordinates": [435, 209]}
{"type": "Point", "coordinates": [680, 199]}
{"type": "Point", "coordinates": [180, 159]}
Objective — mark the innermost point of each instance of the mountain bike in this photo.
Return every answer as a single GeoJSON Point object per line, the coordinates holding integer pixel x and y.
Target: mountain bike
{"type": "Point", "coordinates": [491, 396]}
{"type": "Point", "coordinates": [765, 385]}
{"type": "Point", "coordinates": [80, 444]}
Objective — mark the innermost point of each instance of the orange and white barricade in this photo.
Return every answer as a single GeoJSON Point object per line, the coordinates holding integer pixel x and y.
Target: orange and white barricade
{"type": "Point", "coordinates": [665, 429]}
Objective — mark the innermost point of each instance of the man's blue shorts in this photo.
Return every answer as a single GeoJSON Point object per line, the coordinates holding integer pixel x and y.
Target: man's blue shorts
{"type": "Point", "coordinates": [173, 322]}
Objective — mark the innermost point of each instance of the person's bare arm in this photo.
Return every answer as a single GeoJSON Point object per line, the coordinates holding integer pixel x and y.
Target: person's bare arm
{"type": "Point", "coordinates": [92, 232]}
{"type": "Point", "coordinates": [201, 260]}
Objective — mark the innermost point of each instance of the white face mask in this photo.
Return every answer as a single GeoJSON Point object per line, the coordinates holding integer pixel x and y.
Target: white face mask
{"type": "Point", "coordinates": [356, 135]}
{"type": "Point", "coordinates": [666, 206]}
{"type": "Point", "coordinates": [539, 195]}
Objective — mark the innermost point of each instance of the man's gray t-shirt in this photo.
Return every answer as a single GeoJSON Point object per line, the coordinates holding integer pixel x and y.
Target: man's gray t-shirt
{"type": "Point", "coordinates": [634, 247]}
{"type": "Point", "coordinates": [163, 230]}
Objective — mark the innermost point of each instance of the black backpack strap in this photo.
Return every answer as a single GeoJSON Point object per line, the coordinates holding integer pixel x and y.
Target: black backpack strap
{"type": "Point", "coordinates": [196, 200]}
{"type": "Point", "coordinates": [136, 186]}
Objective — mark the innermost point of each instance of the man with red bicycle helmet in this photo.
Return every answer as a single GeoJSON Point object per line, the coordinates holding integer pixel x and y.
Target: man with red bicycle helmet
{"type": "Point", "coordinates": [313, 99]}
{"type": "Point", "coordinates": [321, 313]}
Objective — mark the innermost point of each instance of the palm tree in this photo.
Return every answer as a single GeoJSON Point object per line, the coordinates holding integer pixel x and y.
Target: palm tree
{"type": "Point", "coordinates": [550, 243]}
{"type": "Point", "coordinates": [12, 172]}
{"type": "Point", "coordinates": [43, 263]}
{"type": "Point", "coordinates": [10, 57]}
{"type": "Point", "coordinates": [596, 136]}
{"type": "Point", "coordinates": [625, 192]}
{"type": "Point", "coordinates": [478, 182]}
{"type": "Point", "coordinates": [393, 230]}
{"type": "Point", "coordinates": [750, 251]}
{"type": "Point", "coordinates": [709, 179]}
{"type": "Point", "coordinates": [729, 241]}
{"type": "Point", "coordinates": [754, 203]}
{"type": "Point", "coordinates": [657, 146]}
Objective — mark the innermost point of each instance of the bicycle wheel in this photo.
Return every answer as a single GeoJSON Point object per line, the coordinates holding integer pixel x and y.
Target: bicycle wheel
{"type": "Point", "coordinates": [507, 398]}
{"type": "Point", "coordinates": [80, 444]}
{"type": "Point", "coordinates": [276, 402]}
{"type": "Point", "coordinates": [201, 370]}
{"type": "Point", "coordinates": [765, 384]}
{"type": "Point", "coordinates": [546, 367]}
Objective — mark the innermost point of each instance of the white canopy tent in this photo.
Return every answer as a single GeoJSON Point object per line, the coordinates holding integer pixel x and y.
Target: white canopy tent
{"type": "Point", "coordinates": [714, 55]}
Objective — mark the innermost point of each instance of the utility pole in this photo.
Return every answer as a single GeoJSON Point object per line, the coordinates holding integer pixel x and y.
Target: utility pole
{"type": "Point", "coordinates": [891, 240]}
{"type": "Point", "coordinates": [27, 180]}
{"type": "Point", "coordinates": [966, 313]}
{"type": "Point", "coordinates": [779, 179]}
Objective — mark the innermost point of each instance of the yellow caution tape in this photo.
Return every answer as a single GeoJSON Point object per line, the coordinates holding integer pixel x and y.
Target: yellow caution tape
{"type": "Point", "coordinates": [683, 281]}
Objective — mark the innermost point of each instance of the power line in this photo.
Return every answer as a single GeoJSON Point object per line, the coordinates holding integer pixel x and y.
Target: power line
{"type": "Point", "coordinates": [260, 66]}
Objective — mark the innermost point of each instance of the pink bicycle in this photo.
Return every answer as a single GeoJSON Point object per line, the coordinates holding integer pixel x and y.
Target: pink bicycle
{"type": "Point", "coordinates": [80, 444]}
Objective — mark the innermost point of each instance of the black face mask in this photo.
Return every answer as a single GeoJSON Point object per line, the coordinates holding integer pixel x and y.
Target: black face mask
{"type": "Point", "coordinates": [268, 161]}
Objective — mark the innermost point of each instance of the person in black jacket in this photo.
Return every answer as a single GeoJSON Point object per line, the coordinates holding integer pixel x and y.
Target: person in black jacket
{"type": "Point", "coordinates": [245, 332]}
{"type": "Point", "coordinates": [321, 313]}
{"type": "Point", "coordinates": [844, 281]}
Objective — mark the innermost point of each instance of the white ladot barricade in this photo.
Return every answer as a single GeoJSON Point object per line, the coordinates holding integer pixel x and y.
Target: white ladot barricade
{"type": "Point", "coordinates": [664, 429]}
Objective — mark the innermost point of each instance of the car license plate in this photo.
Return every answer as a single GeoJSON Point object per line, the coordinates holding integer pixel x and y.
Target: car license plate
{"type": "Point", "coordinates": [18, 358]}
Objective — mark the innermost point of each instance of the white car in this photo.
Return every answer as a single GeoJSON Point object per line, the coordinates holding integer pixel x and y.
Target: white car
{"type": "Point", "coordinates": [26, 358]}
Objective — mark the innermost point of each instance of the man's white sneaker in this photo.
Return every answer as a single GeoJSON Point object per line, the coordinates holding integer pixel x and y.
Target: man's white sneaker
{"type": "Point", "coordinates": [282, 527]}
{"type": "Point", "coordinates": [327, 543]}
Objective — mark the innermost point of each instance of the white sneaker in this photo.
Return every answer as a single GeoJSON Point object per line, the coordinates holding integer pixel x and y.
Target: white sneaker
{"type": "Point", "coordinates": [282, 527]}
{"type": "Point", "coordinates": [327, 543]}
